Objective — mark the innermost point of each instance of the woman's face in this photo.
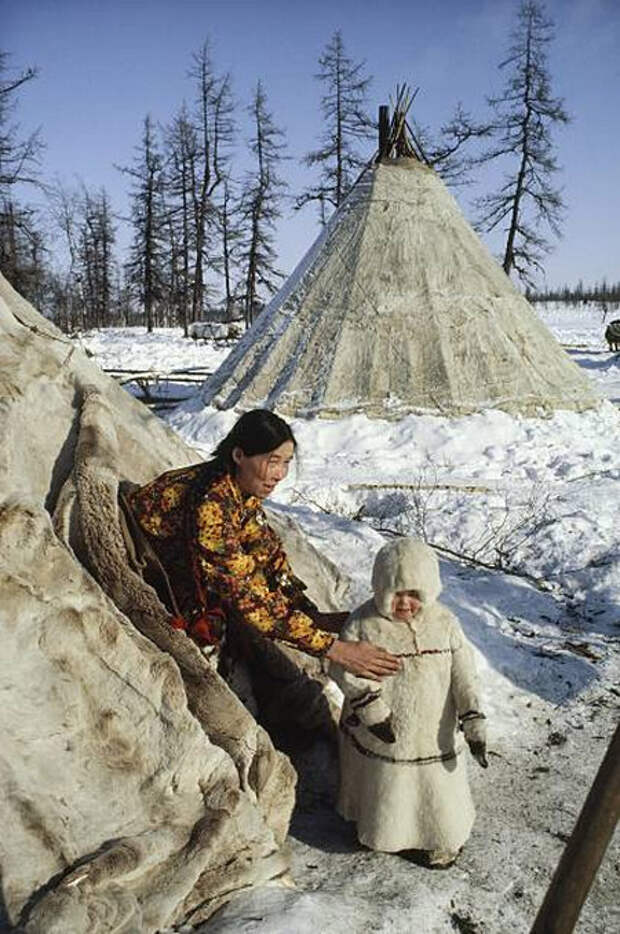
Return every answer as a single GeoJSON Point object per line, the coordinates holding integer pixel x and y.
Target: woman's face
{"type": "Point", "coordinates": [259, 474]}
{"type": "Point", "coordinates": [405, 604]}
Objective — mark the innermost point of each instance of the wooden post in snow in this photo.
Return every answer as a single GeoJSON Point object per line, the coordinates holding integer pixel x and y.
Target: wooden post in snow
{"type": "Point", "coordinates": [585, 848]}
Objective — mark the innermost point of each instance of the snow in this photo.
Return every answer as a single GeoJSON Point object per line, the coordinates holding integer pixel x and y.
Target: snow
{"type": "Point", "coordinates": [162, 363]}
{"type": "Point", "coordinates": [581, 329]}
{"type": "Point", "coordinates": [163, 350]}
{"type": "Point", "coordinates": [534, 504]}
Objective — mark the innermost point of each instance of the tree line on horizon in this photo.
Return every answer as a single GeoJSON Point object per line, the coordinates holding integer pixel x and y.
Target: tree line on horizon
{"type": "Point", "coordinates": [604, 294]}
{"type": "Point", "coordinates": [204, 230]}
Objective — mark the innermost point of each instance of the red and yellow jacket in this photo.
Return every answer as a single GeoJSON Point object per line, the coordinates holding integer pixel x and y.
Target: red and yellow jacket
{"type": "Point", "coordinates": [222, 558]}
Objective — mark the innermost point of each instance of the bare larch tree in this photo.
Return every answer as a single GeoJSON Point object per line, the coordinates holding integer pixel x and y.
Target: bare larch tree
{"type": "Point", "coordinates": [347, 124]}
{"type": "Point", "coordinates": [63, 206]}
{"type": "Point", "coordinates": [182, 151]}
{"type": "Point", "coordinates": [214, 124]}
{"type": "Point", "coordinates": [95, 243]}
{"type": "Point", "coordinates": [261, 206]}
{"type": "Point", "coordinates": [19, 158]}
{"type": "Point", "coordinates": [524, 113]}
{"type": "Point", "coordinates": [230, 229]}
{"type": "Point", "coordinates": [449, 150]}
{"type": "Point", "coordinates": [145, 267]}
{"type": "Point", "coordinates": [21, 240]}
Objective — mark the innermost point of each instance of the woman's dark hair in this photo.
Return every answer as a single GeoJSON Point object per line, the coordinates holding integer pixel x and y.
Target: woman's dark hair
{"type": "Point", "coordinates": [258, 431]}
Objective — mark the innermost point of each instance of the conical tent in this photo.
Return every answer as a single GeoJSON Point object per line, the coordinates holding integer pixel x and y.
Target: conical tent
{"type": "Point", "coordinates": [398, 307]}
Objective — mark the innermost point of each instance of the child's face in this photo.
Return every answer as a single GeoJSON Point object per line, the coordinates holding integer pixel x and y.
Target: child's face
{"type": "Point", "coordinates": [405, 604]}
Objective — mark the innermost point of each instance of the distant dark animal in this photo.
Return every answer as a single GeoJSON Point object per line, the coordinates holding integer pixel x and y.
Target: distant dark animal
{"type": "Point", "coordinates": [612, 335]}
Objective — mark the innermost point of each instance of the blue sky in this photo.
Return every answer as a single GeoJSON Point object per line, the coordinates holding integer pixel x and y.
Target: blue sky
{"type": "Point", "coordinates": [104, 65]}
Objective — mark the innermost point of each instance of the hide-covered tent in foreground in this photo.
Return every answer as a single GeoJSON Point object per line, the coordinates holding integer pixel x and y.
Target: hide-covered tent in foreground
{"type": "Point", "coordinates": [136, 790]}
{"type": "Point", "coordinates": [398, 307]}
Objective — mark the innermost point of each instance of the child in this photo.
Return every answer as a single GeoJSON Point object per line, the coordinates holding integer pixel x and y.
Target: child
{"type": "Point", "coordinates": [403, 777]}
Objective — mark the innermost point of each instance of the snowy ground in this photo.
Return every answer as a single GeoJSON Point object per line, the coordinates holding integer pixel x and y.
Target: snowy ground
{"type": "Point", "coordinates": [162, 365]}
{"type": "Point", "coordinates": [534, 505]}
{"type": "Point", "coordinates": [581, 331]}
{"type": "Point", "coordinates": [163, 350]}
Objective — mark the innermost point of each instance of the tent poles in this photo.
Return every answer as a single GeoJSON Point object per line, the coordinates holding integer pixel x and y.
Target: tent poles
{"type": "Point", "coordinates": [585, 848]}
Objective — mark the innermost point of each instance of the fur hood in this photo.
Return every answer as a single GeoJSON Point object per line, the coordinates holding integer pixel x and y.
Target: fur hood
{"type": "Point", "coordinates": [405, 564]}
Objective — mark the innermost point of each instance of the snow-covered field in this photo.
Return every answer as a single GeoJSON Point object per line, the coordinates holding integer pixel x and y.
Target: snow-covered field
{"type": "Point", "coordinates": [581, 331]}
{"type": "Point", "coordinates": [533, 504]}
{"type": "Point", "coordinates": [162, 351]}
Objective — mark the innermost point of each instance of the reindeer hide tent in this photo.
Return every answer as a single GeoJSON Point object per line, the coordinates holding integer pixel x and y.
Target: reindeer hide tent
{"type": "Point", "coordinates": [398, 307]}
{"type": "Point", "coordinates": [137, 790]}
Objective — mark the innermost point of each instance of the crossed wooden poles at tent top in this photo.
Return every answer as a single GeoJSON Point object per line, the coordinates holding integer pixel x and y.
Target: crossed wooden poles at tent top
{"type": "Point", "coordinates": [396, 137]}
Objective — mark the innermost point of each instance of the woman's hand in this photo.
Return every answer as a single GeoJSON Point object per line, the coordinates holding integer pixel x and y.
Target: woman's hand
{"type": "Point", "coordinates": [364, 659]}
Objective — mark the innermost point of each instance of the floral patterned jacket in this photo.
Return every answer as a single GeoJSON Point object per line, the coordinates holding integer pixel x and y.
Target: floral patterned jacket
{"type": "Point", "coordinates": [222, 558]}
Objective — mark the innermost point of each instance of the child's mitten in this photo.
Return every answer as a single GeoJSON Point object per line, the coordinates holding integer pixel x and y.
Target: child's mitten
{"type": "Point", "coordinates": [479, 752]}
{"type": "Point", "coordinates": [383, 731]}
{"type": "Point", "coordinates": [475, 730]}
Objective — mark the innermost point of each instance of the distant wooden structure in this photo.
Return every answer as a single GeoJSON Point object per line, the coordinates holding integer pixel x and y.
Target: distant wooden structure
{"type": "Point", "coordinates": [154, 388]}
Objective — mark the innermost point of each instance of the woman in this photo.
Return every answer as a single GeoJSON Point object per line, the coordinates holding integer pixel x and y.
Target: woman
{"type": "Point", "coordinates": [221, 558]}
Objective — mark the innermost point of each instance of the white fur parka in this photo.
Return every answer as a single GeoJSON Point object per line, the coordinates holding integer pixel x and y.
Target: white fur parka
{"type": "Point", "coordinates": [413, 793]}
